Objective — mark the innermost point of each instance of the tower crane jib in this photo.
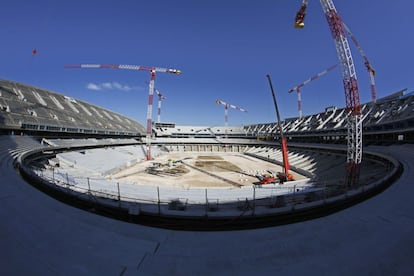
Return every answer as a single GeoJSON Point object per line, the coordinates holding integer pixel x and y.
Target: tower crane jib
{"type": "Point", "coordinates": [153, 71]}
{"type": "Point", "coordinates": [299, 87]}
{"type": "Point", "coordinates": [226, 111]}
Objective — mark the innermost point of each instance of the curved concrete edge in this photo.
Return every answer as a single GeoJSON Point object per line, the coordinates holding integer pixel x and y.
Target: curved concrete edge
{"type": "Point", "coordinates": [247, 217]}
{"type": "Point", "coordinates": [41, 236]}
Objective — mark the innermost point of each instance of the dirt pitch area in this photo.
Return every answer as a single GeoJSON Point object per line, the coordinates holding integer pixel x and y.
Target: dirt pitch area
{"type": "Point", "coordinates": [201, 170]}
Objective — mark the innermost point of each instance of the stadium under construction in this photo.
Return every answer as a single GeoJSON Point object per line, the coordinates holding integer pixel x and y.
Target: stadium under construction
{"type": "Point", "coordinates": [200, 178]}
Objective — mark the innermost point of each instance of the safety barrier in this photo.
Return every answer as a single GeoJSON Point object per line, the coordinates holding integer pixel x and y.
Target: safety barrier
{"type": "Point", "coordinates": [202, 209]}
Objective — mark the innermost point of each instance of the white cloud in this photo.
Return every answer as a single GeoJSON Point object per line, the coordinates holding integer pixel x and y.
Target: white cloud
{"type": "Point", "coordinates": [110, 86]}
{"type": "Point", "coordinates": [106, 85]}
{"type": "Point", "coordinates": [93, 86]}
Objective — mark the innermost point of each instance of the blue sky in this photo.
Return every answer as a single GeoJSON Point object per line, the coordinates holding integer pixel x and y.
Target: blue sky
{"type": "Point", "coordinates": [224, 48]}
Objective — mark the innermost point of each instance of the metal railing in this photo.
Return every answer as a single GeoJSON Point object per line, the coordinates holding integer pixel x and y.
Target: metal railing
{"type": "Point", "coordinates": [159, 200]}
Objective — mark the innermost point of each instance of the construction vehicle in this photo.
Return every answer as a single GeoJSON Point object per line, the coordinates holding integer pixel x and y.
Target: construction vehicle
{"type": "Point", "coordinates": [267, 178]}
{"type": "Point", "coordinates": [285, 175]}
{"type": "Point", "coordinates": [273, 177]}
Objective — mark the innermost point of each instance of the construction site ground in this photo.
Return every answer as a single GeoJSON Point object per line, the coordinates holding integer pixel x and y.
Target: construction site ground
{"type": "Point", "coordinates": [201, 170]}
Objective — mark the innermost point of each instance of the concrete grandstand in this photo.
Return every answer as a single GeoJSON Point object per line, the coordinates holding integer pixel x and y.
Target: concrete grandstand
{"type": "Point", "coordinates": [55, 131]}
{"type": "Point", "coordinates": [390, 119]}
{"type": "Point", "coordinates": [33, 110]}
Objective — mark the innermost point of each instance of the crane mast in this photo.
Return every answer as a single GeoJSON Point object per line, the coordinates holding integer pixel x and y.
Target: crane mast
{"type": "Point", "coordinates": [152, 71]}
{"type": "Point", "coordinates": [353, 106]}
{"type": "Point", "coordinates": [161, 97]}
{"type": "Point", "coordinates": [367, 64]}
{"type": "Point", "coordinates": [298, 87]}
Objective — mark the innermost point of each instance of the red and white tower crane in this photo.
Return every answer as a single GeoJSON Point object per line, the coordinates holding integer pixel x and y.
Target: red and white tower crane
{"type": "Point", "coordinates": [153, 71]}
{"type": "Point", "coordinates": [161, 97]}
{"type": "Point", "coordinates": [367, 64]}
{"type": "Point", "coordinates": [352, 97]}
{"type": "Point", "coordinates": [226, 111]}
{"type": "Point", "coordinates": [298, 87]}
